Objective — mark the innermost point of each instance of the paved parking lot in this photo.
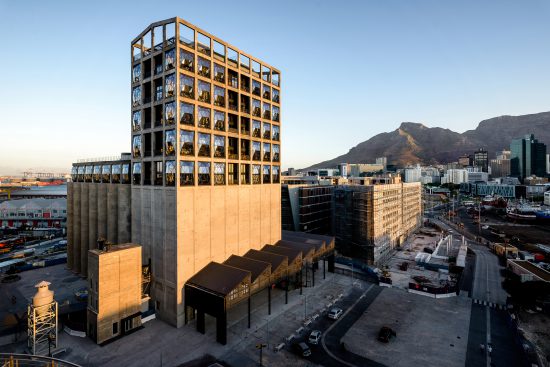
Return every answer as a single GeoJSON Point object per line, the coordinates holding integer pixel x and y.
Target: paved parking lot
{"type": "Point", "coordinates": [430, 332]}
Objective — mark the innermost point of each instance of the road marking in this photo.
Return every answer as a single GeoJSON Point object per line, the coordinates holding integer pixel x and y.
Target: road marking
{"type": "Point", "coordinates": [335, 323]}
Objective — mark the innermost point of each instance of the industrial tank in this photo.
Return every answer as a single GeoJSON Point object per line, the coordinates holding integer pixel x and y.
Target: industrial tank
{"type": "Point", "coordinates": [43, 296]}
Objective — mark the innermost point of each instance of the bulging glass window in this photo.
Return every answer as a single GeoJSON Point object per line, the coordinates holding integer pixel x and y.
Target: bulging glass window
{"type": "Point", "coordinates": [136, 73]}
{"type": "Point", "coordinates": [136, 146]}
{"type": "Point", "coordinates": [256, 129]}
{"type": "Point", "coordinates": [204, 145]}
{"type": "Point", "coordinates": [187, 173]}
{"type": "Point", "coordinates": [136, 96]}
{"type": "Point", "coordinates": [276, 157]}
{"type": "Point", "coordinates": [187, 86]}
{"type": "Point", "coordinates": [267, 111]}
{"type": "Point", "coordinates": [276, 133]}
{"type": "Point", "coordinates": [80, 173]}
{"type": "Point", "coordinates": [204, 117]}
{"type": "Point", "coordinates": [267, 152]}
{"type": "Point", "coordinates": [106, 173]}
{"type": "Point", "coordinates": [267, 174]}
{"type": "Point", "coordinates": [187, 114]}
{"type": "Point", "coordinates": [170, 173]}
{"type": "Point", "coordinates": [275, 113]}
{"type": "Point", "coordinates": [232, 57]}
{"type": "Point", "coordinates": [136, 121]}
{"type": "Point", "coordinates": [187, 60]}
{"type": "Point", "coordinates": [245, 63]}
{"type": "Point", "coordinates": [266, 73]}
{"type": "Point", "coordinates": [204, 91]}
{"type": "Point", "coordinates": [203, 44]}
{"type": "Point", "coordinates": [115, 175]}
{"type": "Point", "coordinates": [136, 173]}
{"type": "Point", "coordinates": [276, 174]}
{"type": "Point", "coordinates": [170, 59]}
{"type": "Point", "coordinates": [219, 173]}
{"type": "Point", "coordinates": [219, 146]}
{"type": "Point", "coordinates": [266, 93]}
{"type": "Point", "coordinates": [97, 173]}
{"type": "Point", "coordinates": [219, 51]}
{"type": "Point", "coordinates": [88, 174]}
{"type": "Point", "coordinates": [219, 73]}
{"type": "Point", "coordinates": [256, 108]}
{"type": "Point", "coordinates": [276, 78]}
{"type": "Point", "coordinates": [204, 67]}
{"type": "Point", "coordinates": [266, 131]}
{"type": "Point", "coordinates": [170, 113]}
{"type": "Point", "coordinates": [219, 96]}
{"type": "Point", "coordinates": [256, 88]}
{"type": "Point", "coordinates": [204, 173]}
{"type": "Point", "coordinates": [187, 141]}
{"type": "Point", "coordinates": [74, 173]}
{"type": "Point", "coordinates": [187, 35]}
{"type": "Point", "coordinates": [275, 95]}
{"type": "Point", "coordinates": [170, 142]}
{"type": "Point", "coordinates": [256, 154]}
{"type": "Point", "coordinates": [125, 177]}
{"type": "Point", "coordinates": [256, 69]}
{"type": "Point", "coordinates": [170, 85]}
{"type": "Point", "coordinates": [256, 175]}
{"type": "Point", "coordinates": [219, 121]}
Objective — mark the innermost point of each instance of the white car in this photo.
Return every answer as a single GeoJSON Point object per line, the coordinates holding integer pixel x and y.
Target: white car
{"type": "Point", "coordinates": [335, 313]}
{"type": "Point", "coordinates": [314, 337]}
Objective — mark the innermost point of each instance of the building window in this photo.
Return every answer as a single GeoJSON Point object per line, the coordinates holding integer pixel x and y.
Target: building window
{"type": "Point", "coordinates": [170, 173]}
{"type": "Point", "coordinates": [276, 157]}
{"type": "Point", "coordinates": [204, 92]}
{"type": "Point", "coordinates": [136, 121]}
{"type": "Point", "coordinates": [204, 117]}
{"type": "Point", "coordinates": [275, 113]}
{"type": "Point", "coordinates": [275, 135]}
{"type": "Point", "coordinates": [187, 36]}
{"type": "Point", "coordinates": [136, 173]}
{"type": "Point", "coordinates": [115, 175]}
{"type": "Point", "coordinates": [256, 176]}
{"type": "Point", "coordinates": [74, 175]}
{"type": "Point", "coordinates": [233, 123]}
{"type": "Point", "coordinates": [266, 131]}
{"type": "Point", "coordinates": [266, 94]}
{"type": "Point", "coordinates": [187, 60]}
{"type": "Point", "coordinates": [170, 59]}
{"type": "Point", "coordinates": [170, 113]}
{"type": "Point", "coordinates": [136, 73]}
{"type": "Point", "coordinates": [256, 88]}
{"type": "Point", "coordinates": [219, 73]}
{"type": "Point", "coordinates": [106, 173]}
{"type": "Point", "coordinates": [170, 85]}
{"type": "Point", "coordinates": [266, 73]}
{"type": "Point", "coordinates": [219, 121]}
{"type": "Point", "coordinates": [219, 173]}
{"type": "Point", "coordinates": [204, 67]}
{"type": "Point", "coordinates": [233, 173]}
{"type": "Point", "coordinates": [245, 63]}
{"type": "Point", "coordinates": [219, 146]}
{"type": "Point", "coordinates": [187, 114]}
{"type": "Point", "coordinates": [204, 173]}
{"type": "Point", "coordinates": [245, 125]}
{"type": "Point", "coordinates": [276, 174]}
{"type": "Point", "coordinates": [276, 79]}
{"type": "Point", "coordinates": [187, 173]}
{"type": "Point", "coordinates": [267, 174]}
{"type": "Point", "coordinates": [256, 108]}
{"type": "Point", "coordinates": [125, 179]}
{"type": "Point", "coordinates": [256, 69]}
{"type": "Point", "coordinates": [203, 44]}
{"type": "Point", "coordinates": [245, 149]}
{"type": "Point", "coordinates": [232, 148]}
{"type": "Point", "coordinates": [97, 174]}
{"type": "Point", "coordinates": [204, 145]}
{"type": "Point", "coordinates": [267, 152]}
{"type": "Point", "coordinates": [186, 86]}
{"type": "Point", "coordinates": [275, 95]}
{"type": "Point", "coordinates": [245, 174]}
{"type": "Point", "coordinates": [136, 96]}
{"type": "Point", "coordinates": [187, 141]}
{"type": "Point", "coordinates": [232, 58]}
{"type": "Point", "coordinates": [267, 111]}
{"type": "Point", "coordinates": [170, 142]}
{"type": "Point", "coordinates": [146, 173]}
{"type": "Point", "coordinates": [136, 146]}
{"type": "Point", "coordinates": [219, 96]}
{"type": "Point", "coordinates": [159, 173]}
{"type": "Point", "coordinates": [219, 51]}
{"type": "Point", "coordinates": [115, 328]}
{"type": "Point", "coordinates": [256, 154]}
{"type": "Point", "coordinates": [256, 129]}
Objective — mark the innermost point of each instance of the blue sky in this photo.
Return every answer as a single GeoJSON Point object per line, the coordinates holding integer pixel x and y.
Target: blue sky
{"type": "Point", "coordinates": [350, 69]}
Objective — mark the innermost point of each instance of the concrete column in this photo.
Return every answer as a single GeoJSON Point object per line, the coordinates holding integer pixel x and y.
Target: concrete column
{"type": "Point", "coordinates": [70, 220]}
{"type": "Point", "coordinates": [84, 228]}
{"type": "Point", "coordinates": [92, 213]}
{"type": "Point", "coordinates": [124, 213]}
{"type": "Point", "coordinates": [77, 203]}
{"type": "Point", "coordinates": [102, 211]}
{"type": "Point", "coordinates": [112, 213]}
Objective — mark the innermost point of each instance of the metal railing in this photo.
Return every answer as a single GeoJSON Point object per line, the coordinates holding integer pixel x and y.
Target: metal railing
{"type": "Point", "coordinates": [26, 360]}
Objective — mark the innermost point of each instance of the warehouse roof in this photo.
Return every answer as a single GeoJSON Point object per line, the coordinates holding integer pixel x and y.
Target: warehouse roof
{"type": "Point", "coordinates": [219, 278]}
{"type": "Point", "coordinates": [292, 253]}
{"type": "Point", "coordinates": [275, 260]}
{"type": "Point", "coordinates": [255, 267]}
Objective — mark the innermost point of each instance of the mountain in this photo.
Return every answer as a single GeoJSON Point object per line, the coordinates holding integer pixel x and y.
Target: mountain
{"type": "Point", "coordinates": [415, 143]}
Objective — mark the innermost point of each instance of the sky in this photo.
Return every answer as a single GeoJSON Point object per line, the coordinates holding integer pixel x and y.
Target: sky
{"type": "Point", "coordinates": [349, 69]}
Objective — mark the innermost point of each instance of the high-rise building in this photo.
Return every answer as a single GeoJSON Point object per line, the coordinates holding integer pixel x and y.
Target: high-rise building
{"type": "Point", "coordinates": [481, 160]}
{"type": "Point", "coordinates": [413, 174]}
{"type": "Point", "coordinates": [465, 160]}
{"type": "Point", "coordinates": [528, 157]}
{"type": "Point", "coordinates": [499, 167]}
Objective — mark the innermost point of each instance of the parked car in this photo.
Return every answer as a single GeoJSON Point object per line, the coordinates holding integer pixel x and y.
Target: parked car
{"type": "Point", "coordinates": [385, 334]}
{"type": "Point", "coordinates": [315, 337]}
{"type": "Point", "coordinates": [302, 349]}
{"type": "Point", "coordinates": [335, 313]}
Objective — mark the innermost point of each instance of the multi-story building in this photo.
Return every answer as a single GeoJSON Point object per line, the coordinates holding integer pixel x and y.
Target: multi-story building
{"type": "Point", "coordinates": [307, 208]}
{"type": "Point", "coordinates": [455, 176]}
{"type": "Point", "coordinates": [478, 177]}
{"type": "Point", "coordinates": [37, 212]}
{"type": "Point", "coordinates": [465, 160]}
{"type": "Point", "coordinates": [481, 160]}
{"type": "Point", "coordinates": [528, 157]}
{"type": "Point", "coordinates": [499, 167]}
{"type": "Point", "coordinates": [503, 154]}
{"type": "Point", "coordinates": [413, 174]}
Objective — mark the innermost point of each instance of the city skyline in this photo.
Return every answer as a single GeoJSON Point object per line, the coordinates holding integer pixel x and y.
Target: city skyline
{"type": "Point", "coordinates": [450, 72]}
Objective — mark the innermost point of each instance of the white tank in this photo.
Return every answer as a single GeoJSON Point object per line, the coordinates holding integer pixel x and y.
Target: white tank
{"type": "Point", "coordinates": [43, 296]}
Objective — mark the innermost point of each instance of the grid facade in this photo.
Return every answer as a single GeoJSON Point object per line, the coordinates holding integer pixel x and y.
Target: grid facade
{"type": "Point", "coordinates": [203, 112]}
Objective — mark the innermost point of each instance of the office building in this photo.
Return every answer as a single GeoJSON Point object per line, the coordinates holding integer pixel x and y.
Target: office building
{"type": "Point", "coordinates": [478, 177]}
{"type": "Point", "coordinates": [528, 157]}
{"type": "Point", "coordinates": [499, 167]}
{"type": "Point", "coordinates": [481, 160]}
{"type": "Point", "coordinates": [307, 208]}
{"type": "Point", "coordinates": [455, 176]}
{"type": "Point", "coordinates": [503, 154]}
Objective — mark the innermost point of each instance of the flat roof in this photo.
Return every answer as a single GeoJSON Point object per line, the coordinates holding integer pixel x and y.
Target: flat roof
{"type": "Point", "coordinates": [292, 253]}
{"type": "Point", "coordinates": [255, 267]}
{"type": "Point", "coordinates": [219, 278]}
{"type": "Point", "coordinates": [532, 268]}
{"type": "Point", "coordinates": [275, 260]}
{"type": "Point", "coordinates": [113, 248]}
